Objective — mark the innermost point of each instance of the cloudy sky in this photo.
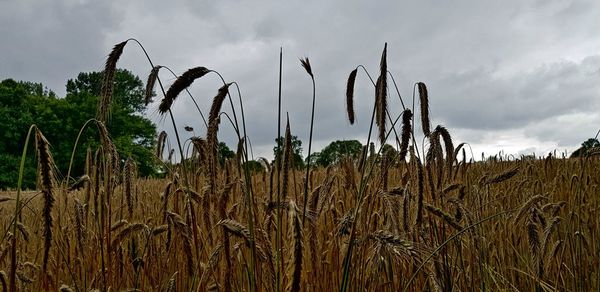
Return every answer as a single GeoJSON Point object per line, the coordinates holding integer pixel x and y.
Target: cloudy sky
{"type": "Point", "coordinates": [518, 76]}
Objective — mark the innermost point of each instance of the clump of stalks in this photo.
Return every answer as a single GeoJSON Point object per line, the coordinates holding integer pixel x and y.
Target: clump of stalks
{"type": "Point", "coordinates": [391, 219]}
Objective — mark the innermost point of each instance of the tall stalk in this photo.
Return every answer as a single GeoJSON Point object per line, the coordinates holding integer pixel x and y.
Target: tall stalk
{"type": "Point", "coordinates": [13, 250]}
{"type": "Point", "coordinates": [278, 234]}
{"type": "Point", "coordinates": [306, 64]}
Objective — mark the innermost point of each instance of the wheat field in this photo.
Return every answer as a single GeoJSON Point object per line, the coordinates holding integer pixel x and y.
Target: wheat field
{"type": "Point", "coordinates": [425, 218]}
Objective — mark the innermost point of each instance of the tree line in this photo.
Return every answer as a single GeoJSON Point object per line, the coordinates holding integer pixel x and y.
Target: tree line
{"type": "Point", "coordinates": [25, 103]}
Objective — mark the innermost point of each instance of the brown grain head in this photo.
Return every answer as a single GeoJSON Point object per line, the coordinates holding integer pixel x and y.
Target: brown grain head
{"type": "Point", "coordinates": [47, 184]}
{"type": "Point", "coordinates": [381, 96]}
{"type": "Point", "coordinates": [160, 146]}
{"type": "Point", "coordinates": [152, 77]}
{"type": "Point", "coordinates": [406, 134]}
{"type": "Point", "coordinates": [424, 102]}
{"type": "Point", "coordinates": [213, 128]}
{"type": "Point", "coordinates": [287, 160]}
{"type": "Point", "coordinates": [184, 81]}
{"type": "Point", "coordinates": [350, 96]}
{"type": "Point", "coordinates": [108, 76]}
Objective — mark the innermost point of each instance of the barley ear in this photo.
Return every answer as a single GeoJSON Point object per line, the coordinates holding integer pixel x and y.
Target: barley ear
{"type": "Point", "coordinates": [306, 65]}
{"type": "Point", "coordinates": [406, 132]}
{"type": "Point", "coordinates": [350, 96]}
{"type": "Point", "coordinates": [213, 128]}
{"type": "Point", "coordinates": [108, 77]}
{"type": "Point", "coordinates": [381, 96]}
{"type": "Point", "coordinates": [424, 102]}
{"type": "Point", "coordinates": [160, 145]}
{"type": "Point", "coordinates": [420, 187]}
{"type": "Point", "coordinates": [150, 84]}
{"type": "Point", "coordinates": [47, 184]}
{"type": "Point", "coordinates": [183, 82]}
{"type": "Point", "coordinates": [287, 157]}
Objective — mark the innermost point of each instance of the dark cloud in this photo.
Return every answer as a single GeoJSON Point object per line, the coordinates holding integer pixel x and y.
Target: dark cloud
{"type": "Point", "coordinates": [500, 76]}
{"type": "Point", "coordinates": [50, 41]}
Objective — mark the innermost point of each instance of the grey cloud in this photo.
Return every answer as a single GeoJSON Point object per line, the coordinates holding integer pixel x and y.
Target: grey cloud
{"type": "Point", "coordinates": [51, 41]}
{"type": "Point", "coordinates": [529, 68]}
{"type": "Point", "coordinates": [480, 100]}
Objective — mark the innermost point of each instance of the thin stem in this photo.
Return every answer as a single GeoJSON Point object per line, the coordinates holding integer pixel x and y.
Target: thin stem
{"type": "Point", "coordinates": [13, 250]}
{"type": "Point", "coordinates": [397, 91]}
{"type": "Point", "coordinates": [249, 193]}
{"type": "Point", "coordinates": [312, 119]}
{"type": "Point", "coordinates": [278, 234]}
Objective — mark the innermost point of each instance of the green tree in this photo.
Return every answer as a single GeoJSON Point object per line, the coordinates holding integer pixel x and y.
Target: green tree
{"type": "Point", "coordinates": [128, 89]}
{"type": "Point", "coordinates": [585, 147]}
{"type": "Point", "coordinates": [133, 134]}
{"type": "Point", "coordinates": [296, 150]}
{"type": "Point", "coordinates": [333, 152]}
{"type": "Point", "coordinates": [60, 119]}
{"type": "Point", "coordinates": [224, 152]}
{"type": "Point", "coordinates": [16, 115]}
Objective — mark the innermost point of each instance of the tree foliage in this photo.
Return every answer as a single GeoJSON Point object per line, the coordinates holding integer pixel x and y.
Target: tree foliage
{"type": "Point", "coordinates": [585, 147]}
{"type": "Point", "coordinates": [296, 150]}
{"type": "Point", "coordinates": [60, 119]}
{"type": "Point", "coordinates": [224, 152]}
{"type": "Point", "coordinates": [336, 150]}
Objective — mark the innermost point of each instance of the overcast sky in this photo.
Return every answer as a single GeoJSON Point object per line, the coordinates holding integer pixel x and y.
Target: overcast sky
{"type": "Point", "coordinates": [518, 76]}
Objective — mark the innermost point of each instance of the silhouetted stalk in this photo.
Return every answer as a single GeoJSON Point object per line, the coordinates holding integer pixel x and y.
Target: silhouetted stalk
{"type": "Point", "coordinates": [249, 194]}
{"type": "Point", "coordinates": [67, 178]}
{"type": "Point", "coordinates": [348, 256]}
{"type": "Point", "coordinates": [183, 166]}
{"type": "Point", "coordinates": [306, 64]}
{"type": "Point", "coordinates": [386, 111]}
{"type": "Point", "coordinates": [75, 148]}
{"type": "Point", "coordinates": [278, 235]}
{"type": "Point", "coordinates": [248, 182]}
{"type": "Point", "coordinates": [397, 91]}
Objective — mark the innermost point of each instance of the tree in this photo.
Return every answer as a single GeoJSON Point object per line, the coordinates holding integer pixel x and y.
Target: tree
{"type": "Point", "coordinates": [585, 147]}
{"type": "Point", "coordinates": [333, 152]}
{"type": "Point", "coordinates": [389, 150]}
{"type": "Point", "coordinates": [60, 119]}
{"type": "Point", "coordinates": [16, 115]}
{"type": "Point", "coordinates": [128, 90]}
{"type": "Point", "coordinates": [224, 153]}
{"type": "Point", "coordinates": [296, 150]}
{"type": "Point", "coordinates": [133, 134]}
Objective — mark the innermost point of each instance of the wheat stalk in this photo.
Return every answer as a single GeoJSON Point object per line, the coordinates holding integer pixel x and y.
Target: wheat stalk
{"type": "Point", "coordinates": [381, 96]}
{"type": "Point", "coordinates": [47, 183]}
